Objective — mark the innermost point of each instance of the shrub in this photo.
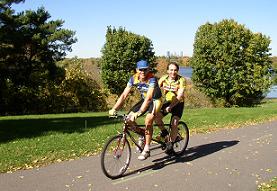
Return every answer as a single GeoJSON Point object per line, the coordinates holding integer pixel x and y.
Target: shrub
{"type": "Point", "coordinates": [231, 63]}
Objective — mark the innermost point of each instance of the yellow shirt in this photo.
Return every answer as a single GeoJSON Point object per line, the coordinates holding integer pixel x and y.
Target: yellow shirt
{"type": "Point", "coordinates": [170, 87]}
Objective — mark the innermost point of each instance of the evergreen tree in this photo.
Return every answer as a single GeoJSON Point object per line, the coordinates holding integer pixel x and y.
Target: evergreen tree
{"type": "Point", "coordinates": [30, 47]}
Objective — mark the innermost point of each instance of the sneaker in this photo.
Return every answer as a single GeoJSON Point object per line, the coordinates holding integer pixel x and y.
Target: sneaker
{"type": "Point", "coordinates": [144, 155]}
{"type": "Point", "coordinates": [169, 148]}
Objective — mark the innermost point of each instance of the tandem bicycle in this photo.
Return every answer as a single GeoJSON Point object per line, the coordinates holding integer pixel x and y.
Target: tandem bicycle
{"type": "Point", "coordinates": [116, 153]}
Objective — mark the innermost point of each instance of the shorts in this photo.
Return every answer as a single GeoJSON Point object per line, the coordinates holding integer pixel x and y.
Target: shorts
{"type": "Point", "coordinates": [177, 110]}
{"type": "Point", "coordinates": [153, 108]}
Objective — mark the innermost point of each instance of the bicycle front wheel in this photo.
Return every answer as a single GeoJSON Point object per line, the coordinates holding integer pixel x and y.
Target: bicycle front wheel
{"type": "Point", "coordinates": [181, 142]}
{"type": "Point", "coordinates": [116, 156]}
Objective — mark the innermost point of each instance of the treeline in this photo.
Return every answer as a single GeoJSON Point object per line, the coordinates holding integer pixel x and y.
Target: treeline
{"type": "Point", "coordinates": [231, 65]}
{"type": "Point", "coordinates": [32, 78]}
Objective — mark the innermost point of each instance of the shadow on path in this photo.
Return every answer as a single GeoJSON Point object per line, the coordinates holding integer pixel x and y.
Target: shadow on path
{"type": "Point", "coordinates": [190, 155]}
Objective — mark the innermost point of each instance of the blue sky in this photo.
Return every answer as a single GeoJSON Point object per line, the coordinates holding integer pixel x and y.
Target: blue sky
{"type": "Point", "coordinates": [169, 24]}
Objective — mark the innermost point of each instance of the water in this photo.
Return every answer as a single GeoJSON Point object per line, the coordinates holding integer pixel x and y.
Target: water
{"type": "Point", "coordinates": [187, 72]}
{"type": "Point", "coordinates": [272, 92]}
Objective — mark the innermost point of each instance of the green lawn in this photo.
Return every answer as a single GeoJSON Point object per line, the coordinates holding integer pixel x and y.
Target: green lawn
{"type": "Point", "coordinates": [269, 186]}
{"type": "Point", "coordinates": [35, 140]}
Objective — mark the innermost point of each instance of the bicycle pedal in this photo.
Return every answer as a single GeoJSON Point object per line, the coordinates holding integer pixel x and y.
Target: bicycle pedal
{"type": "Point", "coordinates": [163, 147]}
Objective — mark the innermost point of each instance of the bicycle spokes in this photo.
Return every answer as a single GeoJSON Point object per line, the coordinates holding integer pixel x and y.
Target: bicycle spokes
{"type": "Point", "coordinates": [120, 147]}
{"type": "Point", "coordinates": [181, 141]}
{"type": "Point", "coordinates": [116, 156]}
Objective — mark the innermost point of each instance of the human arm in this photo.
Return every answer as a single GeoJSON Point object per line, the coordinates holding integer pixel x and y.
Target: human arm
{"type": "Point", "coordinates": [153, 87]}
{"type": "Point", "coordinates": [147, 100]}
{"type": "Point", "coordinates": [144, 106]}
{"type": "Point", "coordinates": [180, 95]}
{"type": "Point", "coordinates": [120, 100]}
{"type": "Point", "coordinates": [179, 98]}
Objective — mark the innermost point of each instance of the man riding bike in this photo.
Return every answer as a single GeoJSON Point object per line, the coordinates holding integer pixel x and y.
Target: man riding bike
{"type": "Point", "coordinates": [173, 86]}
{"type": "Point", "coordinates": [150, 102]}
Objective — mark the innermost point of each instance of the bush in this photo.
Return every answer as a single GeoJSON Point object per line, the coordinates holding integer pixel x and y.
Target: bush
{"type": "Point", "coordinates": [231, 63]}
{"type": "Point", "coordinates": [195, 98]}
{"type": "Point", "coordinates": [79, 91]}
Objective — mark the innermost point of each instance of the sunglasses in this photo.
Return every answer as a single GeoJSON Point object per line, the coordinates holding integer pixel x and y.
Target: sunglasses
{"type": "Point", "coordinates": [143, 69]}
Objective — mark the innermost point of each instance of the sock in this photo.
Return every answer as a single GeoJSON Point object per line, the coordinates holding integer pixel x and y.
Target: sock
{"type": "Point", "coordinates": [146, 148]}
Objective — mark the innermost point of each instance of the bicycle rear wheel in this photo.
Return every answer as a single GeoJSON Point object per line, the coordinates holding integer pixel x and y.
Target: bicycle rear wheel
{"type": "Point", "coordinates": [115, 156]}
{"type": "Point", "coordinates": [181, 142]}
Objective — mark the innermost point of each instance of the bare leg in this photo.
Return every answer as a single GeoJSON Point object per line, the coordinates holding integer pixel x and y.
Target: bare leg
{"type": "Point", "coordinates": [148, 136]}
{"type": "Point", "coordinates": [149, 129]}
{"type": "Point", "coordinates": [159, 121]}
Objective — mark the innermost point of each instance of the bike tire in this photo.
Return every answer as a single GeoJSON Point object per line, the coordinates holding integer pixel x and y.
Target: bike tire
{"type": "Point", "coordinates": [180, 146]}
{"type": "Point", "coordinates": [115, 156]}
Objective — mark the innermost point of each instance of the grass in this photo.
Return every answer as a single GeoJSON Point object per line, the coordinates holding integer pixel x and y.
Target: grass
{"type": "Point", "coordinates": [35, 140]}
{"type": "Point", "coordinates": [209, 119]}
{"type": "Point", "coordinates": [270, 186]}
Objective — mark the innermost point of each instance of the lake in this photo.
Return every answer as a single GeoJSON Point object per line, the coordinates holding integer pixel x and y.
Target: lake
{"type": "Point", "coordinates": [187, 72]}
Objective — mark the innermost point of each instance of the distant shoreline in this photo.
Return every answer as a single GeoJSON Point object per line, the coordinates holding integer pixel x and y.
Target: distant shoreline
{"type": "Point", "coordinates": [187, 72]}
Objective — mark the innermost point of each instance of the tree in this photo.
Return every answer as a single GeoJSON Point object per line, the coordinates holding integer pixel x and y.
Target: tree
{"type": "Point", "coordinates": [30, 47]}
{"type": "Point", "coordinates": [231, 63]}
{"type": "Point", "coordinates": [4, 4]}
{"type": "Point", "coordinates": [79, 92]}
{"type": "Point", "coordinates": [120, 53]}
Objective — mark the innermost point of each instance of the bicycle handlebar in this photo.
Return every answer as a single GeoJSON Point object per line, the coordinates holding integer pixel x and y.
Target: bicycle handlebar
{"type": "Point", "coordinates": [123, 116]}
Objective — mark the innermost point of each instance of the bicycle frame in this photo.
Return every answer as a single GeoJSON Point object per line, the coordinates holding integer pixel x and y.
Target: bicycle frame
{"type": "Point", "coordinates": [127, 128]}
{"type": "Point", "coordinates": [126, 132]}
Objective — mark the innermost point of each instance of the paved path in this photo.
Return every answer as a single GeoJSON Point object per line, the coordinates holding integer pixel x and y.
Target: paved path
{"type": "Point", "coordinates": [232, 159]}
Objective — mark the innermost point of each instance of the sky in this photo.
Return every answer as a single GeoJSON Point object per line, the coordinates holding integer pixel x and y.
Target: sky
{"type": "Point", "coordinates": [170, 24]}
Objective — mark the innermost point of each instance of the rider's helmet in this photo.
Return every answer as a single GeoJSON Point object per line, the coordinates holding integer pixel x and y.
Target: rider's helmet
{"type": "Point", "coordinates": [142, 64]}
